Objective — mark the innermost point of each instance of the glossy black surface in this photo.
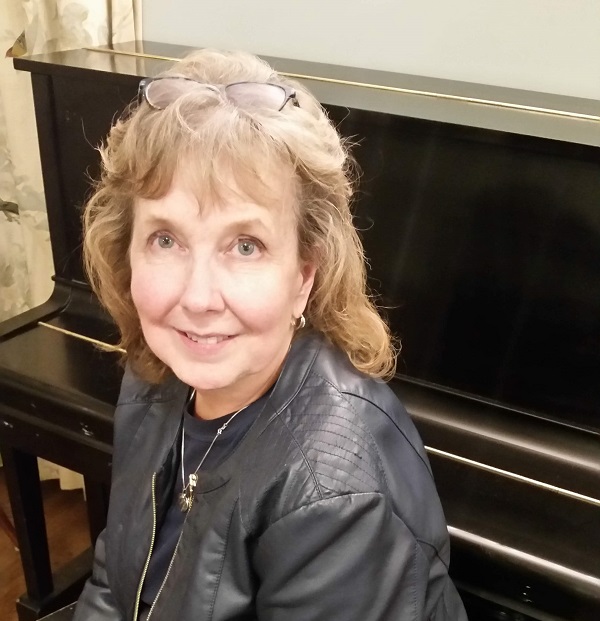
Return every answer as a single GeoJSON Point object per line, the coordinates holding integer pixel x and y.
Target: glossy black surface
{"type": "Point", "coordinates": [64, 614]}
{"type": "Point", "coordinates": [81, 117]}
{"type": "Point", "coordinates": [503, 477]}
{"type": "Point", "coordinates": [485, 247]}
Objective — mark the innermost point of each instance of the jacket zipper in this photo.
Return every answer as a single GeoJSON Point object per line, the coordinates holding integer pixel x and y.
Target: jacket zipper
{"type": "Point", "coordinates": [141, 584]}
{"type": "Point", "coordinates": [168, 572]}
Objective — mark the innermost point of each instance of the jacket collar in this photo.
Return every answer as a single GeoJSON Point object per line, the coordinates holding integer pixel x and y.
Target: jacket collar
{"type": "Point", "coordinates": [296, 368]}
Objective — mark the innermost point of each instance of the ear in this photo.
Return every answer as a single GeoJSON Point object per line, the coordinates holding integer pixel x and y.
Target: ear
{"type": "Point", "coordinates": [306, 280]}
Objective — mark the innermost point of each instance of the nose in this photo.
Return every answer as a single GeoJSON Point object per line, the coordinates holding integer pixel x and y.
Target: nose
{"type": "Point", "coordinates": [201, 291]}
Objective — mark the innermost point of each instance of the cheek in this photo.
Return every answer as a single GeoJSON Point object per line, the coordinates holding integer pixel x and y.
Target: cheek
{"type": "Point", "coordinates": [266, 300]}
{"type": "Point", "coordinates": [151, 291]}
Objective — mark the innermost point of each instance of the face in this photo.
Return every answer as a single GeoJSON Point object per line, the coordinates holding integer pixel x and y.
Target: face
{"type": "Point", "coordinates": [216, 288]}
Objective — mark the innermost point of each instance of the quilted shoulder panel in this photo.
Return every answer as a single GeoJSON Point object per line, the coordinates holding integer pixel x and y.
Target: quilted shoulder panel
{"type": "Point", "coordinates": [318, 447]}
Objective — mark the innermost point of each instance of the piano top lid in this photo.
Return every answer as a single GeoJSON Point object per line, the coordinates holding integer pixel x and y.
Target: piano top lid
{"type": "Point", "coordinates": [510, 110]}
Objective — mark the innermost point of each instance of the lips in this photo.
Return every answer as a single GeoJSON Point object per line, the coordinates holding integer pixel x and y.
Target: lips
{"type": "Point", "coordinates": [208, 339]}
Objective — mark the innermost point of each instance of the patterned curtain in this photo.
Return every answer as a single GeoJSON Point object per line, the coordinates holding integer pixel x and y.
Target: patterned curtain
{"type": "Point", "coordinates": [32, 27]}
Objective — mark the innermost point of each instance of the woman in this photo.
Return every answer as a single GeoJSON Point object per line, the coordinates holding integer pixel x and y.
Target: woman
{"type": "Point", "coordinates": [262, 469]}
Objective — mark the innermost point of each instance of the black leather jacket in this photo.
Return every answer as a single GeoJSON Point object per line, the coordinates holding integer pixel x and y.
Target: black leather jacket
{"type": "Point", "coordinates": [326, 510]}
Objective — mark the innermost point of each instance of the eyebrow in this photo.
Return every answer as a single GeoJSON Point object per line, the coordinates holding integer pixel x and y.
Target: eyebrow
{"type": "Point", "coordinates": [151, 220]}
{"type": "Point", "coordinates": [155, 221]}
{"type": "Point", "coordinates": [246, 223]}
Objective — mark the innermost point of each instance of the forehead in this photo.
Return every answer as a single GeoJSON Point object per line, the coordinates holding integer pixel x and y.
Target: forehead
{"type": "Point", "coordinates": [270, 201]}
{"type": "Point", "coordinates": [271, 185]}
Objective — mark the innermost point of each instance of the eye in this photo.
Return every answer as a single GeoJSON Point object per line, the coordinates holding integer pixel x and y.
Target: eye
{"type": "Point", "coordinates": [246, 247]}
{"type": "Point", "coordinates": [165, 241]}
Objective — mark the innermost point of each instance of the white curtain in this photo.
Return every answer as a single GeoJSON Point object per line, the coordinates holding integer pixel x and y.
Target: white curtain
{"type": "Point", "coordinates": [32, 27]}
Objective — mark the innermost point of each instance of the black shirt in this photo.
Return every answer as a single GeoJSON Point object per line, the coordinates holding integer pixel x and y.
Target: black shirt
{"type": "Point", "coordinates": [199, 433]}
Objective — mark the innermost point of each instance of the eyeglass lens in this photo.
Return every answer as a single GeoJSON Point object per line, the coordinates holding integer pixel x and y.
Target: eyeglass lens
{"type": "Point", "coordinates": [250, 95]}
{"type": "Point", "coordinates": [161, 93]}
{"type": "Point", "coordinates": [247, 95]}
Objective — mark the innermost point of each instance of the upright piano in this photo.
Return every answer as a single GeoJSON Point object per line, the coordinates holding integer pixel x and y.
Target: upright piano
{"type": "Point", "coordinates": [479, 208]}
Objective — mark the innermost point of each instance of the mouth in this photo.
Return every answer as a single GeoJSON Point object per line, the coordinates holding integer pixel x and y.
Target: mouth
{"type": "Point", "coordinates": [207, 339]}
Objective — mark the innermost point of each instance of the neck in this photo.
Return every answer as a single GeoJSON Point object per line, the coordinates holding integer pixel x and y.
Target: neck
{"type": "Point", "coordinates": [210, 405]}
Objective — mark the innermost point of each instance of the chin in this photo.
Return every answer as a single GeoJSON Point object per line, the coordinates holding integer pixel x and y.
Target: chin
{"type": "Point", "coordinates": [202, 378]}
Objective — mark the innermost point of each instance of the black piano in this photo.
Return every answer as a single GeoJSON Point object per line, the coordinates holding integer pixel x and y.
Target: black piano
{"type": "Point", "coordinates": [480, 212]}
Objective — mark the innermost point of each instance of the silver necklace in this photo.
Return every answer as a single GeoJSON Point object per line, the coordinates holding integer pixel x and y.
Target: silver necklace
{"type": "Point", "coordinates": [186, 498]}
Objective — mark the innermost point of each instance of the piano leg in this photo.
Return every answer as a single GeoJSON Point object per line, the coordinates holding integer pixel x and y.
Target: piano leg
{"type": "Point", "coordinates": [25, 493]}
{"type": "Point", "coordinates": [46, 591]}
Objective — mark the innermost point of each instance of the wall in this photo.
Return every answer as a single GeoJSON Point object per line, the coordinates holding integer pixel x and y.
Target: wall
{"type": "Point", "coordinates": [543, 45]}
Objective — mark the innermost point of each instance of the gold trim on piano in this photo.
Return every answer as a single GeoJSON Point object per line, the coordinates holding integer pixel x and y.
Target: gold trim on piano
{"type": "Point", "coordinates": [521, 556]}
{"type": "Point", "coordinates": [392, 89]}
{"type": "Point", "coordinates": [513, 475]}
{"type": "Point", "coordinates": [100, 344]}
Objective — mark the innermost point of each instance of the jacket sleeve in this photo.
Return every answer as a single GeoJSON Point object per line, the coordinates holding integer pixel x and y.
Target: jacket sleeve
{"type": "Point", "coordinates": [350, 558]}
{"type": "Point", "coordinates": [96, 602]}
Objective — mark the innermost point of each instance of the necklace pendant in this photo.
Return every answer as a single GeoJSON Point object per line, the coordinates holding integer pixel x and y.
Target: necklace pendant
{"type": "Point", "coordinates": [185, 503]}
{"type": "Point", "coordinates": [186, 498]}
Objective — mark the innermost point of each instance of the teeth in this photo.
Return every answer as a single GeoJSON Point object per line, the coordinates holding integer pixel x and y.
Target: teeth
{"type": "Point", "coordinates": [208, 340]}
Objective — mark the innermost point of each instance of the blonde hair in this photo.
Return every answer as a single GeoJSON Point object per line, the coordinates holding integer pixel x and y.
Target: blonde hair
{"type": "Point", "coordinates": [199, 134]}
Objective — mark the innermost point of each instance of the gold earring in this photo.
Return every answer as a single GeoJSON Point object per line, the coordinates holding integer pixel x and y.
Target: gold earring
{"type": "Point", "coordinates": [301, 323]}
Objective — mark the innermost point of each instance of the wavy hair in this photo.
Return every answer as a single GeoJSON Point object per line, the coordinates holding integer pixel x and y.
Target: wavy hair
{"type": "Point", "coordinates": [199, 135]}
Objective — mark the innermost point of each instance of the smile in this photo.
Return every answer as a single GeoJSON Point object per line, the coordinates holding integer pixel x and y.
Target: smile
{"type": "Point", "coordinates": [212, 339]}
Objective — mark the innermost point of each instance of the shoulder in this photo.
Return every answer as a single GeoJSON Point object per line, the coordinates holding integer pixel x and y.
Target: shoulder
{"type": "Point", "coordinates": [372, 400]}
{"type": "Point", "coordinates": [340, 433]}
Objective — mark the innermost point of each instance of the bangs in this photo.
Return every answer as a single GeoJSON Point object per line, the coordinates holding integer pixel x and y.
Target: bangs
{"type": "Point", "coordinates": [216, 150]}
